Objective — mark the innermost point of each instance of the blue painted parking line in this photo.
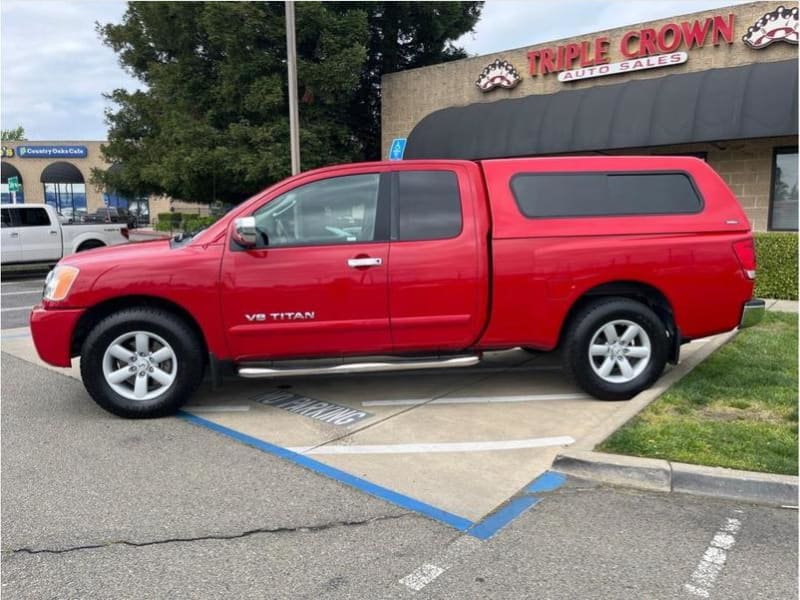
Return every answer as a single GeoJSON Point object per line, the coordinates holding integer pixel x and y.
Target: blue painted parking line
{"type": "Point", "coordinates": [378, 491]}
{"type": "Point", "coordinates": [547, 482]}
{"type": "Point", "coordinates": [482, 530]}
{"type": "Point", "coordinates": [500, 518]}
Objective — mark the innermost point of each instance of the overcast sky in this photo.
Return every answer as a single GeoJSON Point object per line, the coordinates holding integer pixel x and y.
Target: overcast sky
{"type": "Point", "coordinates": [54, 69]}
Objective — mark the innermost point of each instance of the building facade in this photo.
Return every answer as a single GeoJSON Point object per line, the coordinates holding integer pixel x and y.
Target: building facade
{"type": "Point", "coordinates": [59, 173]}
{"type": "Point", "coordinates": [720, 85]}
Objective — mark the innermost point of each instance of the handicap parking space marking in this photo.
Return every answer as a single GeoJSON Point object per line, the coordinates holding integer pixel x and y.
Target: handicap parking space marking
{"type": "Point", "coordinates": [483, 529]}
{"type": "Point", "coordinates": [543, 442]}
{"type": "Point", "coordinates": [327, 412]}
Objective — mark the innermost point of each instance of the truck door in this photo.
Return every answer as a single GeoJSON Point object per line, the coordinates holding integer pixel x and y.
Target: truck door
{"type": "Point", "coordinates": [317, 282]}
{"type": "Point", "coordinates": [39, 238]}
{"type": "Point", "coordinates": [11, 247]}
{"type": "Point", "coordinates": [438, 259]}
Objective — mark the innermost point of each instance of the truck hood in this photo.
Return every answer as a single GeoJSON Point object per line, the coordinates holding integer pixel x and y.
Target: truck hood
{"type": "Point", "coordinates": [139, 253]}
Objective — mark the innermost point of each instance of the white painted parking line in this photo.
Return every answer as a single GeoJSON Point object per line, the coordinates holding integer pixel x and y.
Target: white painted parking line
{"type": "Point", "coordinates": [17, 308]}
{"type": "Point", "coordinates": [421, 576]}
{"type": "Point", "coordinates": [452, 555]}
{"type": "Point", "coordinates": [475, 400]}
{"type": "Point", "coordinates": [28, 292]}
{"type": "Point", "coordinates": [544, 442]}
{"type": "Point", "coordinates": [710, 566]}
{"type": "Point", "coordinates": [218, 409]}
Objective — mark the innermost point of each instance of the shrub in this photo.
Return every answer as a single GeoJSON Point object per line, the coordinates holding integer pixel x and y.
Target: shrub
{"type": "Point", "coordinates": [777, 265]}
{"type": "Point", "coordinates": [169, 221]}
{"type": "Point", "coordinates": [196, 223]}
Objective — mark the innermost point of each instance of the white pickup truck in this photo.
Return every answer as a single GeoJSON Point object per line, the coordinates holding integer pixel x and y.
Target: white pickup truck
{"type": "Point", "coordinates": [34, 233]}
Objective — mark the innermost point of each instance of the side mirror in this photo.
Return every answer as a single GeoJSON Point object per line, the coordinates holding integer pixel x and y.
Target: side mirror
{"type": "Point", "coordinates": [244, 232]}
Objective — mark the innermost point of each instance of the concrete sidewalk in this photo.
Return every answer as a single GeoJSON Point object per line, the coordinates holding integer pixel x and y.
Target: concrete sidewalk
{"type": "Point", "coordinates": [781, 305]}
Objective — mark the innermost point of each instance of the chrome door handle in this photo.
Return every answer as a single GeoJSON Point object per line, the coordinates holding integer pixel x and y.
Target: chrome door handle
{"type": "Point", "coordinates": [364, 262]}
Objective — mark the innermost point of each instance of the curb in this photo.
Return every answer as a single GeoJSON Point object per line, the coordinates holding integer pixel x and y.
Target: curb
{"type": "Point", "coordinates": [666, 476]}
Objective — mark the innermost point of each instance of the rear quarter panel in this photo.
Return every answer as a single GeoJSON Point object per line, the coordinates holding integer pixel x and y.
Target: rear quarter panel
{"type": "Point", "coordinates": [542, 267]}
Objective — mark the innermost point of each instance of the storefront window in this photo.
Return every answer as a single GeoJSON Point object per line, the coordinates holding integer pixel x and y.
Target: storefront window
{"type": "Point", "coordinates": [69, 199]}
{"type": "Point", "coordinates": [783, 207]}
{"type": "Point", "coordinates": [139, 207]}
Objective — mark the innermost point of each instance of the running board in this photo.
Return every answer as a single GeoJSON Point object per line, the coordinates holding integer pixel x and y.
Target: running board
{"type": "Point", "coordinates": [364, 367]}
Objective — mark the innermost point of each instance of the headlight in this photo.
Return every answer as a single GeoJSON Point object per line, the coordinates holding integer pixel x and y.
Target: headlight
{"type": "Point", "coordinates": [59, 281]}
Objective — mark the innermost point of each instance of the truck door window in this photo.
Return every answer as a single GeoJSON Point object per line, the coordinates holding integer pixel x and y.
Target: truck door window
{"type": "Point", "coordinates": [340, 210]}
{"type": "Point", "coordinates": [427, 206]}
{"type": "Point", "coordinates": [33, 217]}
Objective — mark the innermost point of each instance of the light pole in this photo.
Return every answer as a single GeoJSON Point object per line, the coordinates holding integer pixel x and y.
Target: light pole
{"type": "Point", "coordinates": [291, 63]}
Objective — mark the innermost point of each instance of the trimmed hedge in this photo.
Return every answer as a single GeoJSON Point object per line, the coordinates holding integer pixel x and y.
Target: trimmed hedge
{"type": "Point", "coordinates": [175, 221]}
{"type": "Point", "coordinates": [777, 265]}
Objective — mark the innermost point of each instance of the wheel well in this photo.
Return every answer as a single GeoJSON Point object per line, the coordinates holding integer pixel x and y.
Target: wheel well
{"type": "Point", "coordinates": [100, 311]}
{"type": "Point", "coordinates": [89, 244]}
{"type": "Point", "coordinates": [640, 292]}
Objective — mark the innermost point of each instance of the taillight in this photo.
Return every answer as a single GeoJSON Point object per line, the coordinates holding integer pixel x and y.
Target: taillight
{"type": "Point", "coordinates": [746, 253]}
{"type": "Point", "coordinates": [125, 233]}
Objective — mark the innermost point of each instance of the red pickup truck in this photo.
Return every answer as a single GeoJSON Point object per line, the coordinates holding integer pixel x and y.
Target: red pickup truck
{"type": "Point", "coordinates": [617, 261]}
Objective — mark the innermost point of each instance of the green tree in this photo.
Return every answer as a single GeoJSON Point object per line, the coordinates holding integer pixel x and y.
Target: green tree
{"type": "Point", "coordinates": [14, 135]}
{"type": "Point", "coordinates": [212, 119]}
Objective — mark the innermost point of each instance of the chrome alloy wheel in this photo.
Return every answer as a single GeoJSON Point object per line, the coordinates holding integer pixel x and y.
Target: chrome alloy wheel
{"type": "Point", "coordinates": [140, 365]}
{"type": "Point", "coordinates": [619, 351]}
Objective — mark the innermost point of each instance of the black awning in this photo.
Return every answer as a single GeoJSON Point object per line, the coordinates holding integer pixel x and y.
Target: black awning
{"type": "Point", "coordinates": [751, 101]}
{"type": "Point", "coordinates": [61, 172]}
{"type": "Point", "coordinates": [9, 170]}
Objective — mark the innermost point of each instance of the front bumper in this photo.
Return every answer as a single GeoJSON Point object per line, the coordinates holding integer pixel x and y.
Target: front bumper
{"type": "Point", "coordinates": [752, 313]}
{"type": "Point", "coordinates": [52, 333]}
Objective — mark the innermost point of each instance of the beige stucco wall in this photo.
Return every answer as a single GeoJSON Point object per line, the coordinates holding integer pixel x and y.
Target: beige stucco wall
{"type": "Point", "coordinates": [30, 169]}
{"type": "Point", "coordinates": [410, 95]}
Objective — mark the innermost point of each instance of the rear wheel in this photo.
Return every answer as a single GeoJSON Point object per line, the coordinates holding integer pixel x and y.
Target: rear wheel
{"type": "Point", "coordinates": [141, 363]}
{"type": "Point", "coordinates": [615, 347]}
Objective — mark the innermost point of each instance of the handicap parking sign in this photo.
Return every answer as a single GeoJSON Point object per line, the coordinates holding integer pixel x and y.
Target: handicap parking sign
{"type": "Point", "coordinates": [397, 149]}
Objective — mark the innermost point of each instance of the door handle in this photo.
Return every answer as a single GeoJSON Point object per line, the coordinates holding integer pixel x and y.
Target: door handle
{"type": "Point", "coordinates": [53, 233]}
{"type": "Point", "coordinates": [364, 262]}
{"type": "Point", "coordinates": [14, 234]}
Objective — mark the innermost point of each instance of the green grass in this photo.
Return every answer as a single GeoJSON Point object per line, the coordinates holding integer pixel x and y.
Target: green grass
{"type": "Point", "coordinates": [738, 409]}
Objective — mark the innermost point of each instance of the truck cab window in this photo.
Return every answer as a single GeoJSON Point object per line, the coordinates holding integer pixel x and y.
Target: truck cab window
{"type": "Point", "coordinates": [32, 217]}
{"type": "Point", "coordinates": [340, 210]}
{"type": "Point", "coordinates": [427, 206]}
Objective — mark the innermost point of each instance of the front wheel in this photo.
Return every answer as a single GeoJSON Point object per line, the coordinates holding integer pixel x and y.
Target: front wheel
{"type": "Point", "coordinates": [141, 363]}
{"type": "Point", "coordinates": [615, 347]}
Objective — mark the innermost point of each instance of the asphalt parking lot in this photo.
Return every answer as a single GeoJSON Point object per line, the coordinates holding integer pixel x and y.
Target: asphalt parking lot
{"type": "Point", "coordinates": [453, 444]}
{"type": "Point", "coordinates": [257, 491]}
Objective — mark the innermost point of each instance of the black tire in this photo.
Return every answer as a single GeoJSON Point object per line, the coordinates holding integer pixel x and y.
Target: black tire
{"type": "Point", "coordinates": [184, 342]}
{"type": "Point", "coordinates": [586, 324]}
{"type": "Point", "coordinates": [90, 245]}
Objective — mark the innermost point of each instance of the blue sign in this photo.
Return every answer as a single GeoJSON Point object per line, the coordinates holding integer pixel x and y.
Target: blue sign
{"type": "Point", "coordinates": [397, 149]}
{"type": "Point", "coordinates": [52, 151]}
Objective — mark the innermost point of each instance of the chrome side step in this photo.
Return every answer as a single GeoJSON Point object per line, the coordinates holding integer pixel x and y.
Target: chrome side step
{"type": "Point", "coordinates": [364, 367]}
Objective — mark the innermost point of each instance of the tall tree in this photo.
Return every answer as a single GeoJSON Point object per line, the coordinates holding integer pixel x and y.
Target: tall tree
{"type": "Point", "coordinates": [212, 119]}
{"type": "Point", "coordinates": [14, 135]}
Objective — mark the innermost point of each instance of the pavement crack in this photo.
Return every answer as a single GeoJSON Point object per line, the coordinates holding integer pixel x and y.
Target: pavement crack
{"type": "Point", "coordinates": [233, 536]}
